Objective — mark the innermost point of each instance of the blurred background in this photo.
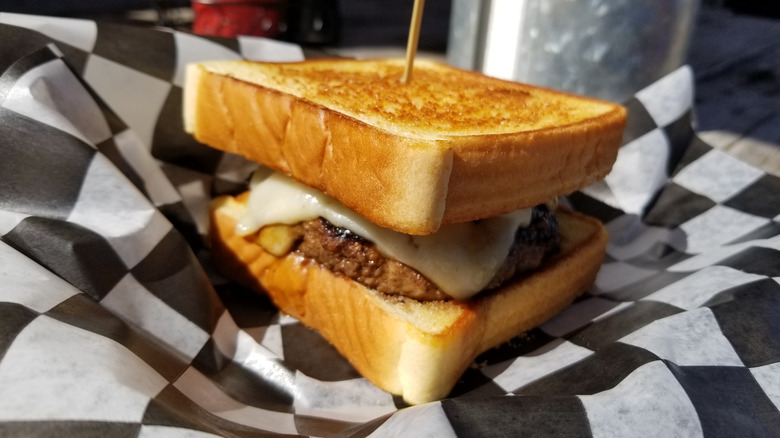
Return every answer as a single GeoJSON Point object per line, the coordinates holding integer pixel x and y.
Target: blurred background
{"type": "Point", "coordinates": [343, 23]}
{"type": "Point", "coordinates": [307, 22]}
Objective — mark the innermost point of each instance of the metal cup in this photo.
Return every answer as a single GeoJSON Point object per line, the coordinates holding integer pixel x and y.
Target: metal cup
{"type": "Point", "coordinates": [607, 49]}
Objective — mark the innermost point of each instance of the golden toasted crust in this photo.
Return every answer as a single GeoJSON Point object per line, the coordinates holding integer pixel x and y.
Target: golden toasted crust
{"type": "Point", "coordinates": [452, 146]}
{"type": "Point", "coordinates": [414, 349]}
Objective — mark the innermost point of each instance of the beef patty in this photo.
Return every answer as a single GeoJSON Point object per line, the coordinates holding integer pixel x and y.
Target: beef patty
{"type": "Point", "coordinates": [348, 254]}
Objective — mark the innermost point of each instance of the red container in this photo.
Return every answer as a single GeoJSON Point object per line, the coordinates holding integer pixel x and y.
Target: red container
{"type": "Point", "coordinates": [229, 18]}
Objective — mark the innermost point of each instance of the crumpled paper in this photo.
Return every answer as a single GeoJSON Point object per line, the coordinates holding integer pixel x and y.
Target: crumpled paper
{"type": "Point", "coordinates": [113, 322]}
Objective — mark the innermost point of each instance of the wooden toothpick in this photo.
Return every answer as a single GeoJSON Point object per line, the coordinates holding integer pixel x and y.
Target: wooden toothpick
{"type": "Point", "coordinates": [414, 38]}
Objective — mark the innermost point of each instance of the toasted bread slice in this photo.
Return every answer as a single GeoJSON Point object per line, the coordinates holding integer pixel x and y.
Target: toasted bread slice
{"type": "Point", "coordinates": [451, 146]}
{"type": "Point", "coordinates": [414, 349]}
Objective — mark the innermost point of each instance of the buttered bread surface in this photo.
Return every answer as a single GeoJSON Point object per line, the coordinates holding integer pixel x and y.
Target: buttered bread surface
{"type": "Point", "coordinates": [439, 102]}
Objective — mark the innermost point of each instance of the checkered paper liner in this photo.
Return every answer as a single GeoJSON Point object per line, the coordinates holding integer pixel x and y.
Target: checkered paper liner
{"type": "Point", "coordinates": [113, 324]}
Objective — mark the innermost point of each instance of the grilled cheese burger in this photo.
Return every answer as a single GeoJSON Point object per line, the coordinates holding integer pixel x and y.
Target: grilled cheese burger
{"type": "Point", "coordinates": [414, 226]}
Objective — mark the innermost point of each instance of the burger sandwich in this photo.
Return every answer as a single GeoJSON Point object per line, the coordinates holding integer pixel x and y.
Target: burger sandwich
{"type": "Point", "coordinates": [413, 225]}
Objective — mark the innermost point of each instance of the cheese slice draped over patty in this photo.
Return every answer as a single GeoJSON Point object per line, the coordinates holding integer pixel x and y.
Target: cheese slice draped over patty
{"type": "Point", "coordinates": [460, 259]}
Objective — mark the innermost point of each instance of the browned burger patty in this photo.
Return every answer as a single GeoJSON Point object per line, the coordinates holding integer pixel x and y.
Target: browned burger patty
{"type": "Point", "coordinates": [344, 252]}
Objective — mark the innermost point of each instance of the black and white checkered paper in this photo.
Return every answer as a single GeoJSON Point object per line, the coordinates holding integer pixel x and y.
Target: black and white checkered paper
{"type": "Point", "coordinates": [113, 324]}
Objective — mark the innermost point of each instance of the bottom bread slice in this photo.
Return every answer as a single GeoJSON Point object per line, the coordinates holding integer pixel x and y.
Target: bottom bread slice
{"type": "Point", "coordinates": [414, 349]}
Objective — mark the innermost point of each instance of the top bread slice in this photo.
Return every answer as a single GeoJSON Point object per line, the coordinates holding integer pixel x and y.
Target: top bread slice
{"type": "Point", "coordinates": [451, 146]}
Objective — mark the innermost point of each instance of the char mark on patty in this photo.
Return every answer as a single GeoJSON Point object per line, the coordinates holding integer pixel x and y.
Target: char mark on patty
{"type": "Point", "coordinates": [348, 254]}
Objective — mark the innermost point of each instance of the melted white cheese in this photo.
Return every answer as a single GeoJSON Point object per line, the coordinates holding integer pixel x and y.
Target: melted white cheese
{"type": "Point", "coordinates": [460, 258]}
